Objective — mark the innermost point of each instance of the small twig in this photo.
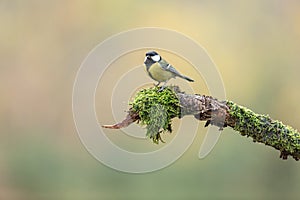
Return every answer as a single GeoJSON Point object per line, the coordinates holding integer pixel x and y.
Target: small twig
{"type": "Point", "coordinates": [130, 118]}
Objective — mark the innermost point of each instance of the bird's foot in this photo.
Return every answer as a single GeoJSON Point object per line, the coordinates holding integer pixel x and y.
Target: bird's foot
{"type": "Point", "coordinates": [161, 88]}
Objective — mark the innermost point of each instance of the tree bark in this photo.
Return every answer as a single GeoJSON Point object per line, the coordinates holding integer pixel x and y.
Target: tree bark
{"type": "Point", "coordinates": [261, 128]}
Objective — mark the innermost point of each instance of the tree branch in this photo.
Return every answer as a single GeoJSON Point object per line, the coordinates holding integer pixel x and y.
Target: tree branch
{"type": "Point", "coordinates": [156, 109]}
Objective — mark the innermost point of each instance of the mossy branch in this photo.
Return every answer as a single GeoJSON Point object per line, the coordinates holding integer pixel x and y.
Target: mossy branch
{"type": "Point", "coordinates": [156, 109]}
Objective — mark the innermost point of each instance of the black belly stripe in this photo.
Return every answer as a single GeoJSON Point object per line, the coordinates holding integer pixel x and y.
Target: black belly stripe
{"type": "Point", "coordinates": [150, 75]}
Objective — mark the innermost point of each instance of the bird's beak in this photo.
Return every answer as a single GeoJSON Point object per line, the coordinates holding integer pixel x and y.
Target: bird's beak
{"type": "Point", "coordinates": [146, 57]}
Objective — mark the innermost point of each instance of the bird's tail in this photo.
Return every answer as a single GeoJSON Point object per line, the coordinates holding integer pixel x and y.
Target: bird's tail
{"type": "Point", "coordinates": [186, 78]}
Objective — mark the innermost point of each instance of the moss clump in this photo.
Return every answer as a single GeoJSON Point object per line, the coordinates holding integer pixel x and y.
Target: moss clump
{"type": "Point", "coordinates": [265, 130]}
{"type": "Point", "coordinates": [156, 109]}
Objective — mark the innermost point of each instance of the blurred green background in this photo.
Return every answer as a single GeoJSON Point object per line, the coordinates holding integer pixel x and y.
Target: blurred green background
{"type": "Point", "coordinates": [255, 45]}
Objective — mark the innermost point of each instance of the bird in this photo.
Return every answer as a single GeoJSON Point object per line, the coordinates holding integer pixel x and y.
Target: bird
{"type": "Point", "coordinates": [160, 70]}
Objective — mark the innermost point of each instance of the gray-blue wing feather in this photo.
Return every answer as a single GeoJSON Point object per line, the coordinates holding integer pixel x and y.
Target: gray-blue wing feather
{"type": "Point", "coordinates": [166, 66]}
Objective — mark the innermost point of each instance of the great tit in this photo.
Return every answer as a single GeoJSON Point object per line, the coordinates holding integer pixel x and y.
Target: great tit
{"type": "Point", "coordinates": [160, 70]}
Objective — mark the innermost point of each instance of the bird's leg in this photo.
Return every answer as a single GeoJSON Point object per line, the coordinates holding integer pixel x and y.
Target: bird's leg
{"type": "Point", "coordinates": [163, 87]}
{"type": "Point", "coordinates": [156, 85]}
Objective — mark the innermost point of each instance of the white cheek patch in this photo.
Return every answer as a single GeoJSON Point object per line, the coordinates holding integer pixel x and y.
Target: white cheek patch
{"type": "Point", "coordinates": [145, 59]}
{"type": "Point", "coordinates": [156, 58]}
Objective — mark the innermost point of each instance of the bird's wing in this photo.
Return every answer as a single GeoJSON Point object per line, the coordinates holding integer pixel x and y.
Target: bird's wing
{"type": "Point", "coordinates": [166, 66]}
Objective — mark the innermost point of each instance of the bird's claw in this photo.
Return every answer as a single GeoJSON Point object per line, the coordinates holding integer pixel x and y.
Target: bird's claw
{"type": "Point", "coordinates": [161, 88]}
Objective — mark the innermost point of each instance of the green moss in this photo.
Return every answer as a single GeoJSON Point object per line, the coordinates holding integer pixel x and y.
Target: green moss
{"type": "Point", "coordinates": [156, 109]}
{"type": "Point", "coordinates": [265, 130]}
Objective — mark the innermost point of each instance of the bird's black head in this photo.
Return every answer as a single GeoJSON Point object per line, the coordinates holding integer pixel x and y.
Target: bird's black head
{"type": "Point", "coordinates": [151, 53]}
{"type": "Point", "coordinates": [151, 58]}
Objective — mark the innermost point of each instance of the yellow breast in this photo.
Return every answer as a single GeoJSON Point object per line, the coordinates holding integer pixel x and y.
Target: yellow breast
{"type": "Point", "coordinates": [158, 74]}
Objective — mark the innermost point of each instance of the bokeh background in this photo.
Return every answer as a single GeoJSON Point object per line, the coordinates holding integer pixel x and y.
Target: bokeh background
{"type": "Point", "coordinates": [255, 45]}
